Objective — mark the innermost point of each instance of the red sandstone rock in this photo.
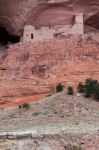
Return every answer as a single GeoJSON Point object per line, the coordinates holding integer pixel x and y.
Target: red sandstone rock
{"type": "Point", "coordinates": [34, 69]}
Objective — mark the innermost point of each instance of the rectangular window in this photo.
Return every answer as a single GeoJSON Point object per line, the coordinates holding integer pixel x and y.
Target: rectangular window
{"type": "Point", "coordinates": [32, 36]}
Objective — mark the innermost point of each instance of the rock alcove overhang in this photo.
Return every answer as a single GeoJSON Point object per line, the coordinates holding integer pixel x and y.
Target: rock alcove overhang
{"type": "Point", "coordinates": [93, 21]}
{"type": "Point", "coordinates": [6, 37]}
{"type": "Point", "coordinates": [15, 14]}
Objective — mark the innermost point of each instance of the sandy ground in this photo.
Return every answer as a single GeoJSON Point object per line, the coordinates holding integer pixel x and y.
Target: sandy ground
{"type": "Point", "coordinates": [55, 122]}
{"type": "Point", "coordinates": [69, 112]}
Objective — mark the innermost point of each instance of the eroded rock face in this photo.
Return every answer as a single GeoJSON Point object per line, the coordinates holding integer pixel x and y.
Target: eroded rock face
{"type": "Point", "coordinates": [15, 14]}
{"type": "Point", "coordinates": [31, 69]}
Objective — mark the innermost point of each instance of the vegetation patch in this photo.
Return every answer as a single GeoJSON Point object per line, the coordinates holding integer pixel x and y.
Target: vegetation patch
{"type": "Point", "coordinates": [25, 106]}
{"type": "Point", "coordinates": [89, 89]}
{"type": "Point", "coordinates": [70, 90]}
{"type": "Point", "coordinates": [73, 147]}
{"type": "Point", "coordinates": [59, 88]}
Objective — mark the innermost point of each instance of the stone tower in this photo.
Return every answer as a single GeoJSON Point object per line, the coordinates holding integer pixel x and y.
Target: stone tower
{"type": "Point", "coordinates": [79, 21]}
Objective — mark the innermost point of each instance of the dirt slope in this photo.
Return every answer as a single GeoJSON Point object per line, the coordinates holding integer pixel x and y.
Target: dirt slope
{"type": "Point", "coordinates": [53, 122]}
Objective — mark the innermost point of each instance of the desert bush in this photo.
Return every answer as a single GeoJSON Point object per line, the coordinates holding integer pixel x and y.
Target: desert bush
{"type": "Point", "coordinates": [96, 92]}
{"type": "Point", "coordinates": [70, 90]}
{"type": "Point", "coordinates": [26, 106]}
{"type": "Point", "coordinates": [73, 147]}
{"type": "Point", "coordinates": [90, 87]}
{"type": "Point", "coordinates": [80, 88]}
{"type": "Point", "coordinates": [59, 88]}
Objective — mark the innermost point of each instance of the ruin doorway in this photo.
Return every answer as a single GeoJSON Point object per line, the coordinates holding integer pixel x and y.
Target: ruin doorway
{"type": "Point", "coordinates": [32, 36]}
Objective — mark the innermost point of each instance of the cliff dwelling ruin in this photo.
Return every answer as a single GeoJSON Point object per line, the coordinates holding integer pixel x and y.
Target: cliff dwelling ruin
{"type": "Point", "coordinates": [30, 33]}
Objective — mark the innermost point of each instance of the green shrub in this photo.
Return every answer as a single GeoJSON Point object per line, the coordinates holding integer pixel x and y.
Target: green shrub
{"type": "Point", "coordinates": [90, 87]}
{"type": "Point", "coordinates": [59, 88]}
{"type": "Point", "coordinates": [87, 93]}
{"type": "Point", "coordinates": [96, 92]}
{"type": "Point", "coordinates": [26, 106]}
{"type": "Point", "coordinates": [70, 90]}
{"type": "Point", "coordinates": [80, 88]}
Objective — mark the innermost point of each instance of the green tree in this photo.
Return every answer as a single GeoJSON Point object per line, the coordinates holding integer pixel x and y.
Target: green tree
{"type": "Point", "coordinates": [96, 92]}
{"type": "Point", "coordinates": [89, 87]}
{"type": "Point", "coordinates": [80, 88]}
{"type": "Point", "coordinates": [87, 92]}
{"type": "Point", "coordinates": [59, 88]}
{"type": "Point", "coordinates": [70, 90]}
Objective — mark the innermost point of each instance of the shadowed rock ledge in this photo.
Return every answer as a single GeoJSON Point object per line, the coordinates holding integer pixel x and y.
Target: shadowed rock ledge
{"type": "Point", "coordinates": [15, 14]}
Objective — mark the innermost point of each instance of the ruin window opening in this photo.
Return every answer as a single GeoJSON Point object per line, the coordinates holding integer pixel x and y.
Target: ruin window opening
{"type": "Point", "coordinates": [32, 36]}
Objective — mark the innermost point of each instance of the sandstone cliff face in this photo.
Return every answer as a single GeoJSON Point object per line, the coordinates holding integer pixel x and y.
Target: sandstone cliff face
{"type": "Point", "coordinates": [14, 14]}
{"type": "Point", "coordinates": [34, 69]}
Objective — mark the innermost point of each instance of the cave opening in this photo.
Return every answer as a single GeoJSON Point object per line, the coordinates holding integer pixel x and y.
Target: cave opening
{"type": "Point", "coordinates": [6, 38]}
